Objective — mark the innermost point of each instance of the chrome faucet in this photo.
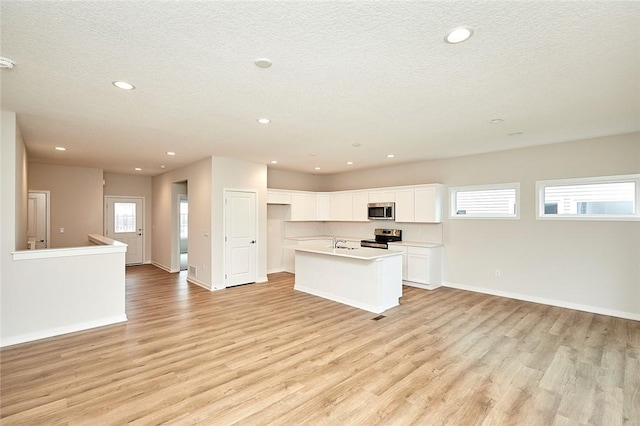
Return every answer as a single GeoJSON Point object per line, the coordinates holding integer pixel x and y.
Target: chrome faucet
{"type": "Point", "coordinates": [336, 241]}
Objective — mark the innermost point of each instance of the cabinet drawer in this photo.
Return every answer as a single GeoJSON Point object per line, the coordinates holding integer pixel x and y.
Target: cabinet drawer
{"type": "Point", "coordinates": [420, 251]}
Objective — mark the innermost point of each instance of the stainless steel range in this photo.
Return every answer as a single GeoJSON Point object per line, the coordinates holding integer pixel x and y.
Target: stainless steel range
{"type": "Point", "coordinates": [383, 236]}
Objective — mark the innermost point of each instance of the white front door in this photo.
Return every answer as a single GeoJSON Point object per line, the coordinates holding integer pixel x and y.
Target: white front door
{"type": "Point", "coordinates": [124, 223]}
{"type": "Point", "coordinates": [240, 237]}
{"type": "Point", "coordinates": [38, 219]}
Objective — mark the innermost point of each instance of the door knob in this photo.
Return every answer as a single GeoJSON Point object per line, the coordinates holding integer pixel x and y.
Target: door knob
{"type": "Point", "coordinates": [253, 241]}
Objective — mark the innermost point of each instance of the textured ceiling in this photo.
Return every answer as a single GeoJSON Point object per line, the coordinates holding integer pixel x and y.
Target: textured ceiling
{"type": "Point", "coordinates": [377, 74]}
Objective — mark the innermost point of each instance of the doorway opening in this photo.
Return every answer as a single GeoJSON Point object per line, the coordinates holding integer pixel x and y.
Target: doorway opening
{"type": "Point", "coordinates": [179, 227]}
{"type": "Point", "coordinates": [38, 234]}
{"type": "Point", "coordinates": [183, 214]}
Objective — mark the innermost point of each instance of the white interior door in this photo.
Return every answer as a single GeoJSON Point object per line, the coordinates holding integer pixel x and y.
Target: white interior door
{"type": "Point", "coordinates": [124, 223]}
{"type": "Point", "coordinates": [38, 219]}
{"type": "Point", "coordinates": [240, 237]}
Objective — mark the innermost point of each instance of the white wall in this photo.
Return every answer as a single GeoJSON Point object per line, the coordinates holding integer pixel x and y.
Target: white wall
{"type": "Point", "coordinates": [164, 222]}
{"type": "Point", "coordinates": [236, 174]}
{"type": "Point", "coordinates": [284, 179]}
{"type": "Point", "coordinates": [590, 265]}
{"type": "Point", "coordinates": [117, 184]}
{"type": "Point", "coordinates": [76, 202]}
{"type": "Point", "coordinates": [44, 297]}
{"type": "Point", "coordinates": [74, 291]}
{"type": "Point", "coordinates": [22, 185]}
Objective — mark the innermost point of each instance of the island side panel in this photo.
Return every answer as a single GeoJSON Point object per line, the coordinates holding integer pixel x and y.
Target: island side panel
{"type": "Point", "coordinates": [372, 285]}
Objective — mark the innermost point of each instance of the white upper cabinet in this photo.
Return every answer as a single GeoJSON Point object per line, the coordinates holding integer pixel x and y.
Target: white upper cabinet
{"type": "Point", "coordinates": [360, 210]}
{"type": "Point", "coordinates": [405, 205]}
{"type": "Point", "coordinates": [304, 206]}
{"type": "Point", "coordinates": [419, 204]}
{"type": "Point", "coordinates": [323, 206]}
{"type": "Point", "coordinates": [275, 196]}
{"type": "Point", "coordinates": [349, 206]}
{"type": "Point", "coordinates": [428, 204]}
{"type": "Point", "coordinates": [341, 206]}
{"type": "Point", "coordinates": [382, 196]}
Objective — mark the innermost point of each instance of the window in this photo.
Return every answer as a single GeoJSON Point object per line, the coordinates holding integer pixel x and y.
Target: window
{"type": "Point", "coordinates": [184, 219]}
{"type": "Point", "coordinates": [124, 217]}
{"type": "Point", "coordinates": [498, 201]}
{"type": "Point", "coordinates": [599, 198]}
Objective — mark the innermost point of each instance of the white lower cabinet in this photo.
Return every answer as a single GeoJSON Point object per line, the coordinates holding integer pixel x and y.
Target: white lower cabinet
{"type": "Point", "coordinates": [421, 266]}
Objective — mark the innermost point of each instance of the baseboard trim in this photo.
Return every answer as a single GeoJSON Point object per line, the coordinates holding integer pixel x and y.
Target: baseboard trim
{"type": "Point", "coordinates": [275, 271]}
{"type": "Point", "coordinates": [193, 280]}
{"type": "Point", "coordinates": [422, 286]}
{"type": "Point", "coordinates": [58, 331]}
{"type": "Point", "coordinates": [158, 265]}
{"type": "Point", "coordinates": [545, 301]}
{"type": "Point", "coordinates": [263, 279]}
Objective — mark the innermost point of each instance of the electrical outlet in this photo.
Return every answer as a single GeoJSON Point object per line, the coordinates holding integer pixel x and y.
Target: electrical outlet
{"type": "Point", "coordinates": [497, 273]}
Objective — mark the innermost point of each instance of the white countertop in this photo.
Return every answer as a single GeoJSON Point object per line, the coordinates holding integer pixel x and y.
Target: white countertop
{"type": "Point", "coordinates": [415, 244]}
{"type": "Point", "coordinates": [321, 237]}
{"type": "Point", "coordinates": [329, 237]}
{"type": "Point", "coordinates": [362, 253]}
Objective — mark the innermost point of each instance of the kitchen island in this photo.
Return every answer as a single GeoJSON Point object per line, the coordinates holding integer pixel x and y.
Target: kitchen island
{"type": "Point", "coordinates": [365, 278]}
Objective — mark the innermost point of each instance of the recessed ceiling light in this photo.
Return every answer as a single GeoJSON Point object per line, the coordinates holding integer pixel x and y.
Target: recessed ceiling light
{"type": "Point", "coordinates": [123, 85]}
{"type": "Point", "coordinates": [60, 148]}
{"type": "Point", "coordinates": [390, 155]}
{"type": "Point", "coordinates": [274, 161]}
{"type": "Point", "coordinates": [515, 134]}
{"type": "Point", "coordinates": [458, 35]}
{"type": "Point", "coordinates": [264, 121]}
{"type": "Point", "coordinates": [137, 169]}
{"type": "Point", "coordinates": [263, 62]}
{"type": "Point", "coordinates": [349, 163]}
{"type": "Point", "coordinates": [6, 63]}
{"type": "Point", "coordinates": [355, 145]}
{"type": "Point", "coordinates": [313, 154]}
{"type": "Point", "coordinates": [317, 168]}
{"type": "Point", "coordinates": [171, 153]}
{"type": "Point", "coordinates": [496, 120]}
{"type": "Point", "coordinates": [162, 166]}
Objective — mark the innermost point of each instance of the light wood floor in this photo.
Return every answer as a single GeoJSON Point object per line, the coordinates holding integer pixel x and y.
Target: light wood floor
{"type": "Point", "coordinates": [266, 354]}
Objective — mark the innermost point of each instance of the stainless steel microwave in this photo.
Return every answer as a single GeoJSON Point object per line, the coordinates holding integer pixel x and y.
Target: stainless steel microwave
{"type": "Point", "coordinates": [382, 211]}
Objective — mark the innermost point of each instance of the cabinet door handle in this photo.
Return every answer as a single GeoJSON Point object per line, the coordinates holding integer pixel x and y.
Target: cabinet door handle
{"type": "Point", "coordinates": [253, 241]}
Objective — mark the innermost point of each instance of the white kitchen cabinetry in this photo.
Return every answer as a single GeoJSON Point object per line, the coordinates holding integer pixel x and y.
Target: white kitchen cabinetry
{"type": "Point", "coordinates": [421, 266]}
{"type": "Point", "coordinates": [382, 196]}
{"type": "Point", "coordinates": [341, 206]}
{"type": "Point", "coordinates": [405, 205]}
{"type": "Point", "coordinates": [403, 249]}
{"type": "Point", "coordinates": [419, 204]}
{"type": "Point", "coordinates": [428, 204]}
{"type": "Point", "coordinates": [360, 208]}
{"type": "Point", "coordinates": [416, 203]}
{"type": "Point", "coordinates": [349, 206]}
{"type": "Point", "coordinates": [323, 210]}
{"type": "Point", "coordinates": [278, 197]}
{"type": "Point", "coordinates": [303, 206]}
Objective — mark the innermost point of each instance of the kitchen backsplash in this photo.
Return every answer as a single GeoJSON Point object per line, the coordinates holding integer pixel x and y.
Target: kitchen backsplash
{"type": "Point", "coordinates": [419, 232]}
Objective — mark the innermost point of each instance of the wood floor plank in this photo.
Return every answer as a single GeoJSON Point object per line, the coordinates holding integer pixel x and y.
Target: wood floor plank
{"type": "Point", "coordinates": [265, 354]}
